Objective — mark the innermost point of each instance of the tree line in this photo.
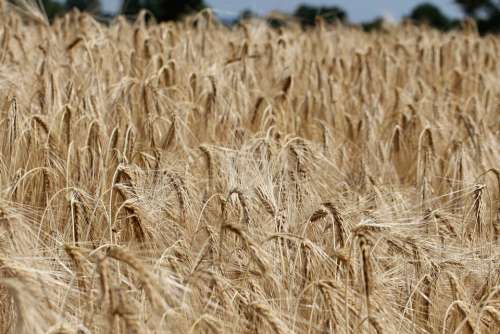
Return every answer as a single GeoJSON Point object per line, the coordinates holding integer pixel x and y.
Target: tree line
{"type": "Point", "coordinates": [486, 13]}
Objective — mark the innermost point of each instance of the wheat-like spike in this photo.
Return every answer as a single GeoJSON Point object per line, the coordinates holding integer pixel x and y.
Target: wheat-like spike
{"type": "Point", "coordinates": [213, 84]}
{"type": "Point", "coordinates": [62, 329]}
{"type": "Point", "coordinates": [494, 313]}
{"type": "Point", "coordinates": [271, 319]}
{"type": "Point", "coordinates": [429, 286]}
{"type": "Point", "coordinates": [43, 125]}
{"type": "Point", "coordinates": [150, 284]}
{"type": "Point", "coordinates": [13, 126]}
{"type": "Point", "coordinates": [178, 184]}
{"type": "Point", "coordinates": [128, 146]}
{"type": "Point", "coordinates": [324, 288]}
{"type": "Point", "coordinates": [79, 260]}
{"type": "Point", "coordinates": [379, 329]}
{"type": "Point", "coordinates": [169, 139]}
{"type": "Point", "coordinates": [104, 284]}
{"type": "Point", "coordinates": [458, 292]}
{"type": "Point", "coordinates": [93, 137]}
{"type": "Point", "coordinates": [193, 82]}
{"type": "Point", "coordinates": [46, 187]}
{"type": "Point", "coordinates": [477, 204]}
{"type": "Point", "coordinates": [466, 325]}
{"type": "Point", "coordinates": [74, 43]}
{"type": "Point", "coordinates": [111, 152]}
{"type": "Point", "coordinates": [209, 321]}
{"type": "Point", "coordinates": [248, 244]}
{"type": "Point", "coordinates": [134, 218]}
{"type": "Point", "coordinates": [74, 217]}
{"type": "Point", "coordinates": [208, 159]}
{"type": "Point", "coordinates": [286, 85]}
{"type": "Point", "coordinates": [256, 109]}
{"type": "Point", "coordinates": [125, 309]}
{"type": "Point", "coordinates": [244, 205]}
{"type": "Point", "coordinates": [338, 223]}
{"type": "Point", "coordinates": [305, 258]}
{"type": "Point", "coordinates": [478, 208]}
{"type": "Point", "coordinates": [20, 295]}
{"type": "Point", "coordinates": [66, 120]}
{"type": "Point", "coordinates": [366, 266]}
{"type": "Point", "coordinates": [317, 215]}
{"type": "Point", "coordinates": [265, 201]}
{"type": "Point", "coordinates": [396, 139]}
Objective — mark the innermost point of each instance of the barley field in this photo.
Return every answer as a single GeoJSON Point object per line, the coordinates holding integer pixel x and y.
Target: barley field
{"type": "Point", "coordinates": [194, 178]}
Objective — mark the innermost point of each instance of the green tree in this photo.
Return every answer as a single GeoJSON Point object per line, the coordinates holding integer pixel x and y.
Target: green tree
{"type": "Point", "coordinates": [473, 8]}
{"type": "Point", "coordinates": [307, 14]}
{"type": "Point", "coordinates": [52, 8]}
{"type": "Point", "coordinates": [246, 14]}
{"type": "Point", "coordinates": [485, 12]}
{"type": "Point", "coordinates": [276, 20]}
{"type": "Point", "coordinates": [131, 7]}
{"type": "Point", "coordinates": [163, 10]}
{"type": "Point", "coordinates": [431, 15]}
{"type": "Point", "coordinates": [373, 25]}
{"type": "Point", "coordinates": [171, 10]}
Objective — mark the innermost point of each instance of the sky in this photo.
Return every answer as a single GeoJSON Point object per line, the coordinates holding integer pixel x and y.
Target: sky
{"type": "Point", "coordinates": [358, 10]}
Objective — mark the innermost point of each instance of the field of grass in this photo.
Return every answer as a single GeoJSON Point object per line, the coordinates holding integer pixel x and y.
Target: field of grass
{"type": "Point", "coordinates": [191, 178]}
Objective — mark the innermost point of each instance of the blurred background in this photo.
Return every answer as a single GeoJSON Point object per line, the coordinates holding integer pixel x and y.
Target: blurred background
{"type": "Point", "coordinates": [440, 14]}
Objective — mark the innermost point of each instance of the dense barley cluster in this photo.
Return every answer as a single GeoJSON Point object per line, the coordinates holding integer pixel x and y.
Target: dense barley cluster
{"type": "Point", "coordinates": [192, 178]}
